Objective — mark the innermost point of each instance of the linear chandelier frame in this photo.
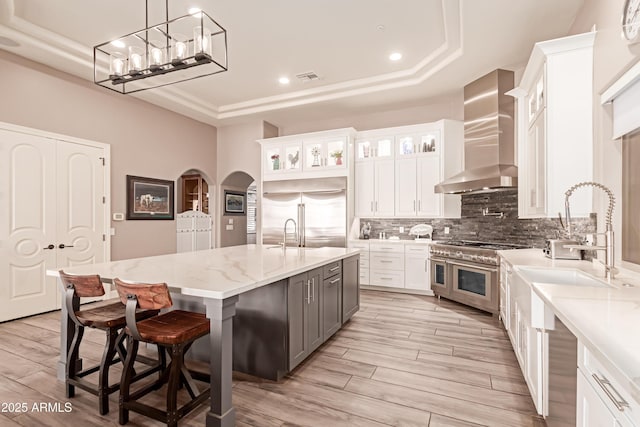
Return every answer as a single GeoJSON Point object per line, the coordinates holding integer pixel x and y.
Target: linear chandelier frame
{"type": "Point", "coordinates": [177, 50]}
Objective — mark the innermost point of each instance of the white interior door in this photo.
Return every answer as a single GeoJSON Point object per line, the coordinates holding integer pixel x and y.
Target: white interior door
{"type": "Point", "coordinates": [27, 225]}
{"type": "Point", "coordinates": [80, 199]}
{"type": "Point", "coordinates": [52, 195]}
{"type": "Point", "coordinates": [80, 231]}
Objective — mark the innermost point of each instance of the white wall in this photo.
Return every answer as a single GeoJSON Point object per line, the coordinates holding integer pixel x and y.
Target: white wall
{"type": "Point", "coordinates": [145, 140]}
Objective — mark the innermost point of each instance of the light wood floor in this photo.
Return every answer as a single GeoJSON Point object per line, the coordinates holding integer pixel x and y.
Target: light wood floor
{"type": "Point", "coordinates": [403, 360]}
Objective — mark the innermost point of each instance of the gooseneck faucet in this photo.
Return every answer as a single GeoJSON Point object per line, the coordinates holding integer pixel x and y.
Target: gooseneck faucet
{"type": "Point", "coordinates": [284, 232]}
{"type": "Point", "coordinates": [608, 247]}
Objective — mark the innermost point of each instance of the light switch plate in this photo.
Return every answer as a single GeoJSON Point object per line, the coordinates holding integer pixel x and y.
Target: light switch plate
{"type": "Point", "coordinates": [229, 226]}
{"type": "Point", "coordinates": [446, 230]}
{"type": "Point", "coordinates": [231, 221]}
{"type": "Point", "coordinates": [400, 229]}
{"type": "Point", "coordinates": [117, 216]}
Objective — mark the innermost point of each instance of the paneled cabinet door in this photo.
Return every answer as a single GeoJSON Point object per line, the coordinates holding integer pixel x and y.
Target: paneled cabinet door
{"type": "Point", "coordinates": [304, 299]}
{"type": "Point", "coordinates": [592, 411]}
{"type": "Point", "coordinates": [534, 186]}
{"type": "Point", "coordinates": [429, 202]}
{"type": "Point", "coordinates": [365, 187]}
{"type": "Point", "coordinates": [384, 188]}
{"type": "Point", "coordinates": [332, 305]}
{"type": "Point", "coordinates": [406, 187]}
{"type": "Point", "coordinates": [416, 275]}
{"type": "Point", "coordinates": [298, 316]}
{"type": "Point", "coordinates": [350, 287]}
{"type": "Point", "coordinates": [316, 323]}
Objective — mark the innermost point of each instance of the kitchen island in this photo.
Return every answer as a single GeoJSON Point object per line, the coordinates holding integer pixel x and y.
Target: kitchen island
{"type": "Point", "coordinates": [216, 280]}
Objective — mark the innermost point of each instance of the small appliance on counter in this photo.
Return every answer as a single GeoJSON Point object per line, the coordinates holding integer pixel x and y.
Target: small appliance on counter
{"type": "Point", "coordinates": [421, 231]}
{"type": "Point", "coordinates": [555, 249]}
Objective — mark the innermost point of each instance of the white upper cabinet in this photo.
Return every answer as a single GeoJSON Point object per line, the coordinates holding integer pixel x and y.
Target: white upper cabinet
{"type": "Point", "coordinates": [374, 193]}
{"type": "Point", "coordinates": [420, 157]}
{"type": "Point", "coordinates": [555, 127]}
{"type": "Point", "coordinates": [312, 155]}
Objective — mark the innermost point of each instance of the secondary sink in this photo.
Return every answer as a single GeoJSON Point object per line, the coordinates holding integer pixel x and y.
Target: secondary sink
{"type": "Point", "coordinates": [559, 277]}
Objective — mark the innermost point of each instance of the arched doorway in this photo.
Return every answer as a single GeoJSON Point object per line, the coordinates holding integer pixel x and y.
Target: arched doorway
{"type": "Point", "coordinates": [237, 211]}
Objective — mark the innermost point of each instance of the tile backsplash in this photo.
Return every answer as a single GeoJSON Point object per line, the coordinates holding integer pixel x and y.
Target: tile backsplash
{"type": "Point", "coordinates": [473, 225]}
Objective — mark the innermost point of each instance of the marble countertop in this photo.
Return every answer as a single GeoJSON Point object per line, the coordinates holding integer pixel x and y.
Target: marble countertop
{"type": "Point", "coordinates": [604, 319]}
{"type": "Point", "coordinates": [217, 273]}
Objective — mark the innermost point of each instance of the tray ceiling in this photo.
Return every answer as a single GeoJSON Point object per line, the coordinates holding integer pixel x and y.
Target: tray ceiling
{"type": "Point", "coordinates": [444, 43]}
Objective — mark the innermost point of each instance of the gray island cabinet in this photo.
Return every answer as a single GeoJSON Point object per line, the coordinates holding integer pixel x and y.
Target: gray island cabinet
{"type": "Point", "coordinates": [278, 326]}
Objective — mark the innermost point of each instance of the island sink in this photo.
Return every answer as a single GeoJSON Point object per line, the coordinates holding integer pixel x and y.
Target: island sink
{"type": "Point", "coordinates": [559, 277]}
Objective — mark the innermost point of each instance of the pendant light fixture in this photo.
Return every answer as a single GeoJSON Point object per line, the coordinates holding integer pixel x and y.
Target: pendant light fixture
{"type": "Point", "coordinates": [177, 50]}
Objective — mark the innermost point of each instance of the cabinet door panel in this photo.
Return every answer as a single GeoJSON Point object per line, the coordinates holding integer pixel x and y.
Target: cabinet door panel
{"type": "Point", "coordinates": [297, 296]}
{"type": "Point", "coordinates": [416, 274]}
{"type": "Point", "coordinates": [331, 303]}
{"type": "Point", "coordinates": [592, 411]}
{"type": "Point", "coordinates": [405, 187]}
{"type": "Point", "coordinates": [350, 287]}
{"type": "Point", "coordinates": [384, 188]}
{"type": "Point", "coordinates": [314, 308]}
{"type": "Point", "coordinates": [364, 176]}
{"type": "Point", "coordinates": [428, 175]}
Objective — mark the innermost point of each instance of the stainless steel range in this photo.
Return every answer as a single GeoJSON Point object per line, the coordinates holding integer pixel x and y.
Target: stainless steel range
{"type": "Point", "coordinates": [468, 272]}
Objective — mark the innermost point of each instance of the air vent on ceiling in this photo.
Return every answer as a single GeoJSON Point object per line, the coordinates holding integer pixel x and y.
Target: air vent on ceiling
{"type": "Point", "coordinates": [307, 77]}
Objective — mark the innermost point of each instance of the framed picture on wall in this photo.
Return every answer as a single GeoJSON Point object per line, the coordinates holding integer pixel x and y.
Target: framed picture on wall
{"type": "Point", "coordinates": [149, 198]}
{"type": "Point", "coordinates": [234, 203]}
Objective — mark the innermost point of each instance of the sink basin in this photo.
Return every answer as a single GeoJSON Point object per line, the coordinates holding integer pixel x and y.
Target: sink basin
{"type": "Point", "coordinates": [560, 277]}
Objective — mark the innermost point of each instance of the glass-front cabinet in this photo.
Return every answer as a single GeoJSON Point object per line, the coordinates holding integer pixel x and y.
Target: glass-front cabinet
{"type": "Point", "coordinates": [328, 153]}
{"type": "Point", "coordinates": [283, 158]}
{"type": "Point", "coordinates": [420, 143]}
{"type": "Point", "coordinates": [370, 148]}
{"type": "Point", "coordinates": [317, 154]}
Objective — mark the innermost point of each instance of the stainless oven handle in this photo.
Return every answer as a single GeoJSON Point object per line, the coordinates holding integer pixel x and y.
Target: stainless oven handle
{"type": "Point", "coordinates": [477, 267]}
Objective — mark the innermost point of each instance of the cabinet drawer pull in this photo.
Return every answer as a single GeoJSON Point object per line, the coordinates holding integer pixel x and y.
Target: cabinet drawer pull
{"type": "Point", "coordinates": [334, 281]}
{"type": "Point", "coordinates": [605, 384]}
{"type": "Point", "coordinates": [386, 261]}
{"type": "Point", "coordinates": [334, 268]}
{"type": "Point", "coordinates": [386, 278]}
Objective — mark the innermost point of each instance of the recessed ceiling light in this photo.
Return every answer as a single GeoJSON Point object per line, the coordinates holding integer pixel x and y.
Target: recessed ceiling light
{"type": "Point", "coordinates": [395, 56]}
{"type": "Point", "coordinates": [118, 43]}
{"type": "Point", "coordinates": [283, 80]}
{"type": "Point", "coordinates": [195, 12]}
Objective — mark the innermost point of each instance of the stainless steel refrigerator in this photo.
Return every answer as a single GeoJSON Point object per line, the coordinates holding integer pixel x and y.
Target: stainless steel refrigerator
{"type": "Point", "coordinates": [318, 206]}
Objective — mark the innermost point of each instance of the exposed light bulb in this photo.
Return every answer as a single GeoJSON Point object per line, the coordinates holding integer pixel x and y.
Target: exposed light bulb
{"type": "Point", "coordinates": [283, 80]}
{"type": "Point", "coordinates": [118, 43]}
{"type": "Point", "coordinates": [395, 56]}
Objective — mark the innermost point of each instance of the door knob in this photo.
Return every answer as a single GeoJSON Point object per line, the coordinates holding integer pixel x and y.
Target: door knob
{"type": "Point", "coordinates": [62, 246]}
{"type": "Point", "coordinates": [49, 247]}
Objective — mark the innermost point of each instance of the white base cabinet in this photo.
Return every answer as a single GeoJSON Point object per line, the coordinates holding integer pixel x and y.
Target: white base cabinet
{"type": "Point", "coordinates": [602, 399]}
{"type": "Point", "coordinates": [394, 264]}
{"type": "Point", "coordinates": [592, 410]}
{"type": "Point", "coordinates": [416, 267]}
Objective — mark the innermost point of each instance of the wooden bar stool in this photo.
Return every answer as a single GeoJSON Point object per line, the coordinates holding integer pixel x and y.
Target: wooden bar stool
{"type": "Point", "coordinates": [173, 331]}
{"type": "Point", "coordinates": [109, 318]}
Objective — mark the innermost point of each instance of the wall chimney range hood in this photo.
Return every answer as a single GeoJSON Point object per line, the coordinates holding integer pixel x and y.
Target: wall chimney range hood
{"type": "Point", "coordinates": [489, 146]}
